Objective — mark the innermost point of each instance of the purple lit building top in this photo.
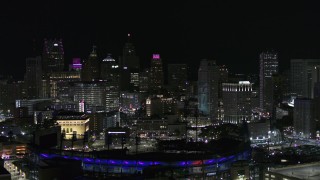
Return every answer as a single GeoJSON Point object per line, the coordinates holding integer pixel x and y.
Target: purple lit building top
{"type": "Point", "coordinates": [156, 56]}
{"type": "Point", "coordinates": [76, 64]}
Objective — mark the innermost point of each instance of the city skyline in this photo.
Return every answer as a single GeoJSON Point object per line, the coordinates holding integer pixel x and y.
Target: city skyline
{"type": "Point", "coordinates": [181, 32]}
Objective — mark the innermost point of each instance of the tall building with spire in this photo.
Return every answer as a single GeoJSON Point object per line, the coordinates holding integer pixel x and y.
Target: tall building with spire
{"type": "Point", "coordinates": [156, 73]}
{"type": "Point", "coordinates": [53, 56]}
{"type": "Point", "coordinates": [129, 64]}
{"type": "Point", "coordinates": [91, 69]}
{"type": "Point", "coordinates": [268, 68]}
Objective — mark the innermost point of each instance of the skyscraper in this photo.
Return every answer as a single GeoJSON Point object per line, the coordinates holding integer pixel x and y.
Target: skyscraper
{"type": "Point", "coordinates": [53, 56]}
{"type": "Point", "coordinates": [33, 77]}
{"type": "Point", "coordinates": [208, 78]}
{"type": "Point", "coordinates": [302, 82]}
{"type": "Point", "coordinates": [110, 73]}
{"type": "Point", "coordinates": [129, 58]}
{"type": "Point", "coordinates": [237, 101]}
{"type": "Point", "coordinates": [303, 117]}
{"type": "Point", "coordinates": [268, 67]}
{"type": "Point", "coordinates": [156, 73]}
{"type": "Point", "coordinates": [177, 76]}
{"type": "Point", "coordinates": [91, 69]}
{"type": "Point", "coordinates": [129, 64]}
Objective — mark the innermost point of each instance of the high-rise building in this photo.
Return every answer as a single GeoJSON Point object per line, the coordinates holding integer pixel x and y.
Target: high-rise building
{"type": "Point", "coordinates": [53, 56]}
{"type": "Point", "coordinates": [144, 81]}
{"type": "Point", "coordinates": [156, 73]}
{"type": "Point", "coordinates": [223, 78]}
{"type": "Point", "coordinates": [92, 93]}
{"type": "Point", "coordinates": [129, 64]}
{"type": "Point", "coordinates": [303, 117]}
{"type": "Point", "coordinates": [91, 67]}
{"type": "Point", "coordinates": [109, 69]}
{"type": "Point", "coordinates": [110, 73]}
{"type": "Point", "coordinates": [268, 67]}
{"type": "Point", "coordinates": [9, 92]}
{"type": "Point", "coordinates": [315, 79]}
{"type": "Point", "coordinates": [301, 80]}
{"type": "Point", "coordinates": [129, 58]}
{"type": "Point", "coordinates": [177, 76]}
{"type": "Point", "coordinates": [33, 77]}
{"type": "Point", "coordinates": [237, 101]}
{"type": "Point", "coordinates": [208, 78]}
{"type": "Point", "coordinates": [59, 83]}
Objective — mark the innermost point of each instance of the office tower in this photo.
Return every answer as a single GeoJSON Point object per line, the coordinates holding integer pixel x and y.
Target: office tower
{"type": "Point", "coordinates": [177, 76]}
{"type": "Point", "coordinates": [129, 58]}
{"type": "Point", "coordinates": [33, 77]}
{"type": "Point", "coordinates": [301, 76]}
{"type": "Point", "coordinates": [144, 81]}
{"type": "Point", "coordinates": [59, 83]}
{"type": "Point", "coordinates": [268, 67]}
{"type": "Point", "coordinates": [9, 92]}
{"type": "Point", "coordinates": [208, 78]}
{"type": "Point", "coordinates": [129, 67]}
{"type": "Point", "coordinates": [315, 79]}
{"type": "Point", "coordinates": [109, 69]}
{"type": "Point", "coordinates": [237, 103]}
{"type": "Point", "coordinates": [303, 117]}
{"type": "Point", "coordinates": [223, 78]}
{"type": "Point", "coordinates": [91, 66]}
{"type": "Point", "coordinates": [156, 73]}
{"type": "Point", "coordinates": [110, 74]}
{"type": "Point", "coordinates": [92, 93]}
{"type": "Point", "coordinates": [53, 56]}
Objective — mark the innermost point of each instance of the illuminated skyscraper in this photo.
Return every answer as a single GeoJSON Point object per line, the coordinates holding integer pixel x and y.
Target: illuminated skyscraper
{"type": "Point", "coordinates": [208, 80]}
{"type": "Point", "coordinates": [268, 67]}
{"type": "Point", "coordinates": [91, 69]}
{"type": "Point", "coordinates": [237, 101]}
{"type": "Point", "coordinates": [53, 56]}
{"type": "Point", "coordinates": [110, 73]}
{"type": "Point", "coordinates": [156, 72]}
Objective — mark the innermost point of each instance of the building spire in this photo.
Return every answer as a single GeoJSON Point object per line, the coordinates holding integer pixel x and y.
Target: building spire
{"type": "Point", "coordinates": [129, 37]}
{"type": "Point", "coordinates": [94, 49]}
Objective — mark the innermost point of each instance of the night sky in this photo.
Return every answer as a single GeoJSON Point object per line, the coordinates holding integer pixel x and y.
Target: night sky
{"type": "Point", "coordinates": [182, 32]}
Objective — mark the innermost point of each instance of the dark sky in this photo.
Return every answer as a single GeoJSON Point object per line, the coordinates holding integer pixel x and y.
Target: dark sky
{"type": "Point", "coordinates": [182, 32]}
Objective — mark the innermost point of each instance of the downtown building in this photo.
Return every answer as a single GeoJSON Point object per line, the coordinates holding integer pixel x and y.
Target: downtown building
{"type": "Point", "coordinates": [91, 93]}
{"type": "Point", "coordinates": [156, 73]}
{"type": "Point", "coordinates": [268, 68]}
{"type": "Point", "coordinates": [208, 82]}
{"type": "Point", "coordinates": [53, 56]}
{"type": "Point", "coordinates": [129, 67]}
{"type": "Point", "coordinates": [110, 73]}
{"type": "Point", "coordinates": [303, 76]}
{"type": "Point", "coordinates": [177, 76]}
{"type": "Point", "coordinates": [237, 105]}
{"type": "Point", "coordinates": [303, 118]}
{"type": "Point", "coordinates": [33, 78]}
{"type": "Point", "coordinates": [91, 66]}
